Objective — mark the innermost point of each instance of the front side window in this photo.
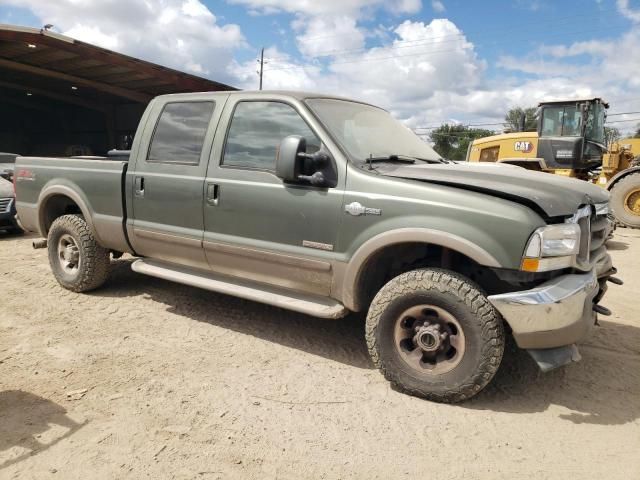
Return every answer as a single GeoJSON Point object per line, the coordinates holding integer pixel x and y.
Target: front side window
{"type": "Point", "coordinates": [180, 133]}
{"type": "Point", "coordinates": [595, 124]}
{"type": "Point", "coordinates": [256, 130]}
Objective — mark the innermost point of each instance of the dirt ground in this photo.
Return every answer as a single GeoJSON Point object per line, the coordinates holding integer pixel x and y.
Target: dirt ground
{"type": "Point", "coordinates": [149, 379]}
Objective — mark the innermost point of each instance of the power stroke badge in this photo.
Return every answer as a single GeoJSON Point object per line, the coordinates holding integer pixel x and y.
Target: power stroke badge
{"type": "Point", "coordinates": [356, 209]}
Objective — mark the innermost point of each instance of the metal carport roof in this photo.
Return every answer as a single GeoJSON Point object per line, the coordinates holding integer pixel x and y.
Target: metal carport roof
{"type": "Point", "coordinates": [68, 70]}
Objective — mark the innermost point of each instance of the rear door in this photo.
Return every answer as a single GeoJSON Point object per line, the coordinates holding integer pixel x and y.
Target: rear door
{"type": "Point", "coordinates": [167, 181]}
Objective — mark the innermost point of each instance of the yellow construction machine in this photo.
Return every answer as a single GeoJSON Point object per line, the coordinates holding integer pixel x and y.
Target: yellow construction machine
{"type": "Point", "coordinates": [570, 141]}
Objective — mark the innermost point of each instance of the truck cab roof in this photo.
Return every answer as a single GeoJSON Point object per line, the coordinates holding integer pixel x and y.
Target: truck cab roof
{"type": "Point", "coordinates": [298, 95]}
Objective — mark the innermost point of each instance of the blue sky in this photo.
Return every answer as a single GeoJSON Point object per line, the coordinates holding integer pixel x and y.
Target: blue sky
{"type": "Point", "coordinates": [426, 60]}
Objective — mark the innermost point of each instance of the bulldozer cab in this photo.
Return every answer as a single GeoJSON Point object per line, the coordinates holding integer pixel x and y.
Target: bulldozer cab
{"type": "Point", "coordinates": [571, 133]}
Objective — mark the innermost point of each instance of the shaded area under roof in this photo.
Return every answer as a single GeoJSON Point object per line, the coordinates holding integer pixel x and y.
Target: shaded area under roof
{"type": "Point", "coordinates": [61, 96]}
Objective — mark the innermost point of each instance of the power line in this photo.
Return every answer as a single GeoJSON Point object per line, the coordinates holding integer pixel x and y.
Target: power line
{"type": "Point", "coordinates": [551, 20]}
{"type": "Point", "coordinates": [393, 57]}
{"type": "Point", "coordinates": [430, 40]}
{"type": "Point", "coordinates": [621, 113]}
{"type": "Point", "coordinates": [623, 121]}
{"type": "Point", "coordinates": [431, 127]}
{"type": "Point", "coordinates": [460, 125]}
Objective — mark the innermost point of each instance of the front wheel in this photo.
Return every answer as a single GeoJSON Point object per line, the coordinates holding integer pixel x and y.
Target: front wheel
{"type": "Point", "coordinates": [433, 334]}
{"type": "Point", "coordinates": [625, 200]}
{"type": "Point", "coordinates": [77, 261]}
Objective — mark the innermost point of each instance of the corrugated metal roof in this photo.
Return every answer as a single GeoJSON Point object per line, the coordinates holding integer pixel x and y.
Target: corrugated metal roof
{"type": "Point", "coordinates": [44, 63]}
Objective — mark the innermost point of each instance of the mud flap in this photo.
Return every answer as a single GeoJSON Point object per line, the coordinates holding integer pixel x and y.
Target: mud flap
{"type": "Point", "coordinates": [551, 358]}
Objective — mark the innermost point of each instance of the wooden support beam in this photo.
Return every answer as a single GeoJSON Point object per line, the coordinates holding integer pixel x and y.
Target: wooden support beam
{"type": "Point", "coordinates": [56, 96]}
{"type": "Point", "coordinates": [73, 80]}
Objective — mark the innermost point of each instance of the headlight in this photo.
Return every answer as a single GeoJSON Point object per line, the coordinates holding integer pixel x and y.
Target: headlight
{"type": "Point", "coordinates": [551, 248]}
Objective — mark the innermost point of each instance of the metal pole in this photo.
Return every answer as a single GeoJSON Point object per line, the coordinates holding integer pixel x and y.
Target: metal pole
{"type": "Point", "coordinates": [261, 66]}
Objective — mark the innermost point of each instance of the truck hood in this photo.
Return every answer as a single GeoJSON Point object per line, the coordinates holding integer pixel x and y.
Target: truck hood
{"type": "Point", "coordinates": [554, 195]}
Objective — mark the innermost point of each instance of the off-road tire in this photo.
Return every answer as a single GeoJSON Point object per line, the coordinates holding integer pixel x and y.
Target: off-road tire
{"type": "Point", "coordinates": [481, 323]}
{"type": "Point", "coordinates": [618, 195]}
{"type": "Point", "coordinates": [93, 268]}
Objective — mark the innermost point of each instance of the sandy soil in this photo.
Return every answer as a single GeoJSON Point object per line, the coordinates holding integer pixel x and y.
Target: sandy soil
{"type": "Point", "coordinates": [149, 379]}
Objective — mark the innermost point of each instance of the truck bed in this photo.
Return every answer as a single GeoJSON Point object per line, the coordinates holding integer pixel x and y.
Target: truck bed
{"type": "Point", "coordinates": [90, 186]}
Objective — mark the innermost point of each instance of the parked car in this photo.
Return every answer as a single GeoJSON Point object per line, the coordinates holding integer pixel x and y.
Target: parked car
{"type": "Point", "coordinates": [8, 221]}
{"type": "Point", "coordinates": [7, 164]}
{"type": "Point", "coordinates": [325, 205]}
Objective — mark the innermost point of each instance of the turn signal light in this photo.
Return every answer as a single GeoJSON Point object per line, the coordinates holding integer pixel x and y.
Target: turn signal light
{"type": "Point", "coordinates": [530, 264]}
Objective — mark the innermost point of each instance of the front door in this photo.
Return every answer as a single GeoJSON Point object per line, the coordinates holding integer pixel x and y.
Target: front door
{"type": "Point", "coordinates": [168, 181]}
{"type": "Point", "coordinates": [257, 227]}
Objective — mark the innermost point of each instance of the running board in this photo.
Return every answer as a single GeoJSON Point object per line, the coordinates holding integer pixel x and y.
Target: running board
{"type": "Point", "coordinates": [308, 304]}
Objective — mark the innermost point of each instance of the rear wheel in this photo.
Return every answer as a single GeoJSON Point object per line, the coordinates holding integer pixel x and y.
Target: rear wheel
{"type": "Point", "coordinates": [625, 200]}
{"type": "Point", "coordinates": [77, 261]}
{"type": "Point", "coordinates": [433, 334]}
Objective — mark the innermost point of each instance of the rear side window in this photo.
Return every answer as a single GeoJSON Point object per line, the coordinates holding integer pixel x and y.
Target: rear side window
{"type": "Point", "coordinates": [180, 132]}
{"type": "Point", "coordinates": [256, 130]}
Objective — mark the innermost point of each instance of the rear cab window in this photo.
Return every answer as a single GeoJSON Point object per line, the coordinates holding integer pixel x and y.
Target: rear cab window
{"type": "Point", "coordinates": [179, 134]}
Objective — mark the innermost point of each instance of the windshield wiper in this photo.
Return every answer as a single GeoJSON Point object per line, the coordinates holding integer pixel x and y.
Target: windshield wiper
{"type": "Point", "coordinates": [387, 158]}
{"type": "Point", "coordinates": [391, 158]}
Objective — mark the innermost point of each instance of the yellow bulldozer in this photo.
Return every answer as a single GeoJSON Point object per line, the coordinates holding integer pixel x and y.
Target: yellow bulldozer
{"type": "Point", "coordinates": [570, 141]}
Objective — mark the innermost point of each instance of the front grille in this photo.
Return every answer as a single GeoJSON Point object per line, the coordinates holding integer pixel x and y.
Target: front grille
{"type": "Point", "coordinates": [595, 228]}
{"type": "Point", "coordinates": [5, 204]}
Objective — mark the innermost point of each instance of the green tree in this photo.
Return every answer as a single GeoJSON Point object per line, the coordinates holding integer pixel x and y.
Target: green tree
{"type": "Point", "coordinates": [513, 119]}
{"type": "Point", "coordinates": [452, 141]}
{"type": "Point", "coordinates": [611, 134]}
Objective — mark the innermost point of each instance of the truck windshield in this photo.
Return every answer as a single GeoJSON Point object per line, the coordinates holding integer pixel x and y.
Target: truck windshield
{"type": "Point", "coordinates": [365, 131]}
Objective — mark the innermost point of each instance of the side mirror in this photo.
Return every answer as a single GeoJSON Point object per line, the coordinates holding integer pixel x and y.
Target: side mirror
{"type": "Point", "coordinates": [294, 165]}
{"type": "Point", "coordinates": [288, 162]}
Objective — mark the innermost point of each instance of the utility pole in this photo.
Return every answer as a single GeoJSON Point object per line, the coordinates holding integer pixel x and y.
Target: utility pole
{"type": "Point", "coordinates": [261, 66]}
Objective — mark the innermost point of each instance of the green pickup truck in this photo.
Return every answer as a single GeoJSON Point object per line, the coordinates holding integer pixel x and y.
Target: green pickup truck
{"type": "Point", "coordinates": [325, 205]}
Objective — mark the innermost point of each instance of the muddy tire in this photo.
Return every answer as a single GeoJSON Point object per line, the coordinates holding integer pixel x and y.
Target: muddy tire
{"type": "Point", "coordinates": [433, 334]}
{"type": "Point", "coordinates": [625, 201]}
{"type": "Point", "coordinates": [77, 261]}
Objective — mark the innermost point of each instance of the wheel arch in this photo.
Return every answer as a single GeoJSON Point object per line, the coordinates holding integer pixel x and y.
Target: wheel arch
{"type": "Point", "coordinates": [412, 243]}
{"type": "Point", "coordinates": [58, 200]}
{"type": "Point", "coordinates": [620, 175]}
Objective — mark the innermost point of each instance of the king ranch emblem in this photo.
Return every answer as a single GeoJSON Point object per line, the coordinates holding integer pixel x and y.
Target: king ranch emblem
{"type": "Point", "coordinates": [524, 147]}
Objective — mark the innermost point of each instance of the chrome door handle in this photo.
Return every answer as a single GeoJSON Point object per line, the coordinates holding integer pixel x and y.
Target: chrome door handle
{"type": "Point", "coordinates": [213, 194]}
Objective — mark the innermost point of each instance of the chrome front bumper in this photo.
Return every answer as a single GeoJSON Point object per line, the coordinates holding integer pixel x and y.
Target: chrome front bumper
{"type": "Point", "coordinates": [557, 313]}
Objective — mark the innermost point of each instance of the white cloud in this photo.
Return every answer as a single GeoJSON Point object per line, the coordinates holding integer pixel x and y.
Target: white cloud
{"type": "Point", "coordinates": [423, 60]}
{"type": "Point", "coordinates": [323, 7]}
{"type": "Point", "coordinates": [418, 75]}
{"type": "Point", "coordinates": [328, 35]}
{"type": "Point", "coordinates": [607, 72]}
{"type": "Point", "coordinates": [631, 13]}
{"type": "Point", "coordinates": [183, 34]}
{"type": "Point", "coordinates": [437, 6]}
